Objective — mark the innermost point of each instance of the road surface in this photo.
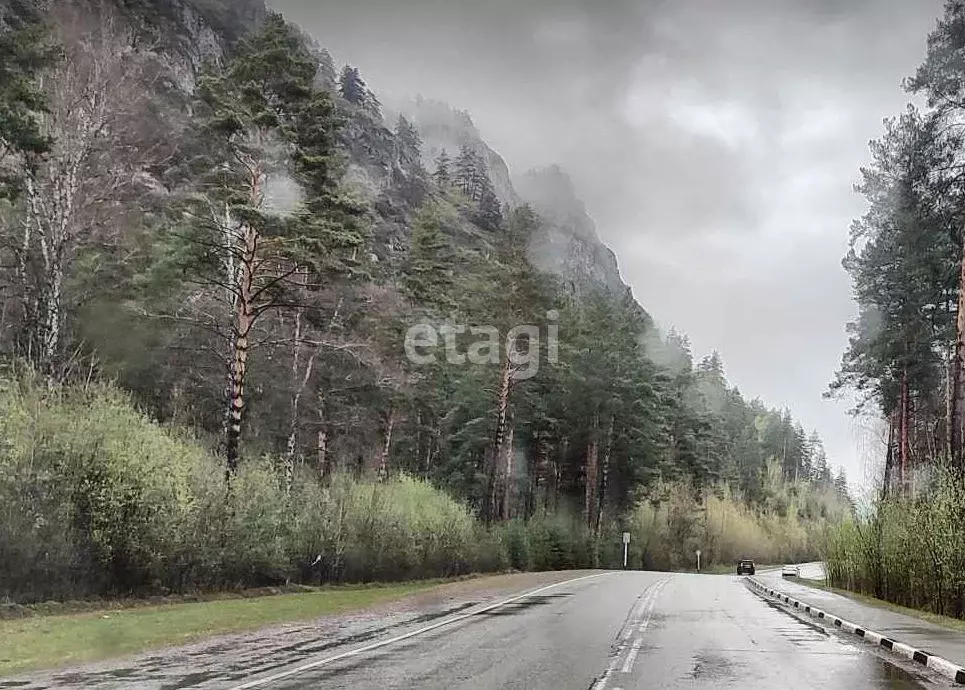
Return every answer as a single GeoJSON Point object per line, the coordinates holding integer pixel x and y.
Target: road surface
{"type": "Point", "coordinates": [609, 631]}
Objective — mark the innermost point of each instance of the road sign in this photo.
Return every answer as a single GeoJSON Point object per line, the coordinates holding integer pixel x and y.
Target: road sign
{"type": "Point", "coordinates": [698, 560]}
{"type": "Point", "coordinates": [626, 541]}
{"type": "Point", "coordinates": [626, 537]}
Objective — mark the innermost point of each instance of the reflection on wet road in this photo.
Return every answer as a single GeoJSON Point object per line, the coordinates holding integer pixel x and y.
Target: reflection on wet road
{"type": "Point", "coordinates": [620, 631]}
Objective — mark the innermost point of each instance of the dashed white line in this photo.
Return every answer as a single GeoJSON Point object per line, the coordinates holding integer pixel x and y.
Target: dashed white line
{"type": "Point", "coordinates": [415, 633]}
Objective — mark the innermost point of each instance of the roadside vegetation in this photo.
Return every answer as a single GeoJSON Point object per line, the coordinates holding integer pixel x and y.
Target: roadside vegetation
{"type": "Point", "coordinates": [51, 641]}
{"type": "Point", "coordinates": [908, 551]}
{"type": "Point", "coordinates": [96, 500]}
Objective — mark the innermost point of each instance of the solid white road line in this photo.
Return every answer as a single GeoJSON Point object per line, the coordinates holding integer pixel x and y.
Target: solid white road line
{"type": "Point", "coordinates": [415, 633]}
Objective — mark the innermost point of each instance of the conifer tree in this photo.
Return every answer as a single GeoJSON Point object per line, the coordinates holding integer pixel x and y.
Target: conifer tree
{"type": "Point", "coordinates": [428, 272]}
{"type": "Point", "coordinates": [410, 145]}
{"type": "Point", "coordinates": [262, 124]}
{"type": "Point", "coordinates": [351, 86]}
{"type": "Point", "coordinates": [25, 50]}
{"type": "Point", "coordinates": [443, 172]}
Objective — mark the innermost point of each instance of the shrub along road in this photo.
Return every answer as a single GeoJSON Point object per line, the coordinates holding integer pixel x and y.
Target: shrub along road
{"type": "Point", "coordinates": [605, 631]}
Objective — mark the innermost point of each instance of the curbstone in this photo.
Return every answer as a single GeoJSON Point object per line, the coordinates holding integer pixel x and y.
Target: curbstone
{"type": "Point", "coordinates": [935, 663]}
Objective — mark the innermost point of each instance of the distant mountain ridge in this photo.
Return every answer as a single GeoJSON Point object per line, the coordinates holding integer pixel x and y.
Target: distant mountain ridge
{"type": "Point", "coordinates": [568, 244]}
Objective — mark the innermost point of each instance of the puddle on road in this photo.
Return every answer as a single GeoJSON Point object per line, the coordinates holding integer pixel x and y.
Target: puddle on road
{"type": "Point", "coordinates": [888, 677]}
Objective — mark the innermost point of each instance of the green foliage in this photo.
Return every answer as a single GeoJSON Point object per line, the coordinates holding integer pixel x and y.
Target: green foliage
{"type": "Point", "coordinates": [253, 254]}
{"type": "Point", "coordinates": [428, 274]}
{"type": "Point", "coordinates": [25, 49]}
{"type": "Point", "coordinates": [98, 500]}
{"type": "Point", "coordinates": [671, 525]}
{"type": "Point", "coordinates": [908, 551]}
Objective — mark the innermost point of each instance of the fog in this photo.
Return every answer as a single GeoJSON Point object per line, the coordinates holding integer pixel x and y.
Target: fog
{"type": "Point", "coordinates": [715, 144]}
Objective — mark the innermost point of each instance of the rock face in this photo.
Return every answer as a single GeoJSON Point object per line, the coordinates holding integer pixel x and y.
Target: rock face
{"type": "Point", "coordinates": [186, 33]}
{"type": "Point", "coordinates": [568, 243]}
{"type": "Point", "coordinates": [443, 128]}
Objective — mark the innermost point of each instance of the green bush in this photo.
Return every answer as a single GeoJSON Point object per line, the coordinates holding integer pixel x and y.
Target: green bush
{"type": "Point", "coordinates": [906, 550]}
{"type": "Point", "coordinates": [96, 500]}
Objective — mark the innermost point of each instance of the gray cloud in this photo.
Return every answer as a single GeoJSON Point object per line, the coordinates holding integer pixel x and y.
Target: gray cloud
{"type": "Point", "coordinates": [714, 143]}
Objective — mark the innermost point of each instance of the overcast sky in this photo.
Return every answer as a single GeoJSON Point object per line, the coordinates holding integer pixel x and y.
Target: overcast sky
{"type": "Point", "coordinates": [715, 144]}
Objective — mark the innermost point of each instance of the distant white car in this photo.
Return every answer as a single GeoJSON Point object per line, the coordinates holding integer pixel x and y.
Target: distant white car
{"type": "Point", "coordinates": [790, 571]}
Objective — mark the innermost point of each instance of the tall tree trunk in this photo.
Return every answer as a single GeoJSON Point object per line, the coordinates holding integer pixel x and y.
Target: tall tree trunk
{"type": "Point", "coordinates": [958, 402]}
{"type": "Point", "coordinates": [605, 481]}
{"type": "Point", "coordinates": [541, 474]}
{"type": "Point", "coordinates": [299, 383]}
{"type": "Point", "coordinates": [591, 475]}
{"type": "Point", "coordinates": [904, 447]}
{"type": "Point", "coordinates": [951, 440]}
{"type": "Point", "coordinates": [53, 320]}
{"type": "Point", "coordinates": [887, 488]}
{"type": "Point", "coordinates": [321, 443]}
{"type": "Point", "coordinates": [495, 454]}
{"type": "Point", "coordinates": [383, 471]}
{"type": "Point", "coordinates": [508, 480]}
{"type": "Point", "coordinates": [558, 463]}
{"type": "Point", "coordinates": [239, 368]}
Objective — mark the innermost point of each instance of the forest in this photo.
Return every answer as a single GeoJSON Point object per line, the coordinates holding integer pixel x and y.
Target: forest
{"type": "Point", "coordinates": [213, 244]}
{"type": "Point", "coordinates": [906, 356]}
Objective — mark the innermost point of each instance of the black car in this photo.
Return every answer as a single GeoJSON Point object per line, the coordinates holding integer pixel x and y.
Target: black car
{"type": "Point", "coordinates": [745, 567]}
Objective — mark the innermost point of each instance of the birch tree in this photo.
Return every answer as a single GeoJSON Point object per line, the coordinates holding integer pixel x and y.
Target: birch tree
{"type": "Point", "coordinates": [93, 99]}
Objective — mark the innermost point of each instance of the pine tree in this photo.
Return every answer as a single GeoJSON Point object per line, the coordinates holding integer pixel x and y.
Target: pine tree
{"type": "Point", "coordinates": [443, 173]}
{"type": "Point", "coordinates": [428, 272]}
{"type": "Point", "coordinates": [354, 90]}
{"type": "Point", "coordinates": [24, 51]}
{"type": "Point", "coordinates": [467, 172]}
{"type": "Point", "coordinates": [409, 146]}
{"type": "Point", "coordinates": [490, 213]}
{"type": "Point", "coordinates": [236, 239]}
{"type": "Point", "coordinates": [352, 87]}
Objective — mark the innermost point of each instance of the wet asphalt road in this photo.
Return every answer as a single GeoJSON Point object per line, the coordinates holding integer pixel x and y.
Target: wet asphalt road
{"type": "Point", "coordinates": [614, 631]}
{"type": "Point", "coordinates": [624, 631]}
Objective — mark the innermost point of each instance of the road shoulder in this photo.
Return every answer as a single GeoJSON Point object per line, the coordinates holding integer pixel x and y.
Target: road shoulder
{"type": "Point", "coordinates": [936, 648]}
{"type": "Point", "coordinates": [87, 649]}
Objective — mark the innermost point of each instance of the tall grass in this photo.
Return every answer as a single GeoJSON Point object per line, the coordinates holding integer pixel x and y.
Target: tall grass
{"type": "Point", "coordinates": [909, 551]}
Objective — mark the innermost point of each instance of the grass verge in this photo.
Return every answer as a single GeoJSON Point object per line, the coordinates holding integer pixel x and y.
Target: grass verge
{"type": "Point", "coordinates": [944, 621]}
{"type": "Point", "coordinates": [41, 642]}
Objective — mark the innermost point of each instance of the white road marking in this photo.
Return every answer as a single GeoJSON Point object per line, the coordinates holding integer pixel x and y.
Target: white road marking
{"type": "Point", "coordinates": [642, 612]}
{"type": "Point", "coordinates": [415, 633]}
{"type": "Point", "coordinates": [632, 656]}
{"type": "Point", "coordinates": [644, 624]}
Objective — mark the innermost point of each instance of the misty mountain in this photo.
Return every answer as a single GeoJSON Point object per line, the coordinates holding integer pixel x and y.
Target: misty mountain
{"type": "Point", "coordinates": [567, 243]}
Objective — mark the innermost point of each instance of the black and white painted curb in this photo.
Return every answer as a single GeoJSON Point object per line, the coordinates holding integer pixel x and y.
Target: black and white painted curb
{"type": "Point", "coordinates": [935, 663]}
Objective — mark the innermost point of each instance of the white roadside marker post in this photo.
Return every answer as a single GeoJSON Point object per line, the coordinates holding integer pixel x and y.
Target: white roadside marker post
{"type": "Point", "coordinates": [698, 560]}
{"type": "Point", "coordinates": [626, 542]}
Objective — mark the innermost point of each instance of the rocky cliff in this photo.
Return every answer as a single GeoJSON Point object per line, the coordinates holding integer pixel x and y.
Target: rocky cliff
{"type": "Point", "coordinates": [568, 244]}
{"type": "Point", "coordinates": [186, 33]}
